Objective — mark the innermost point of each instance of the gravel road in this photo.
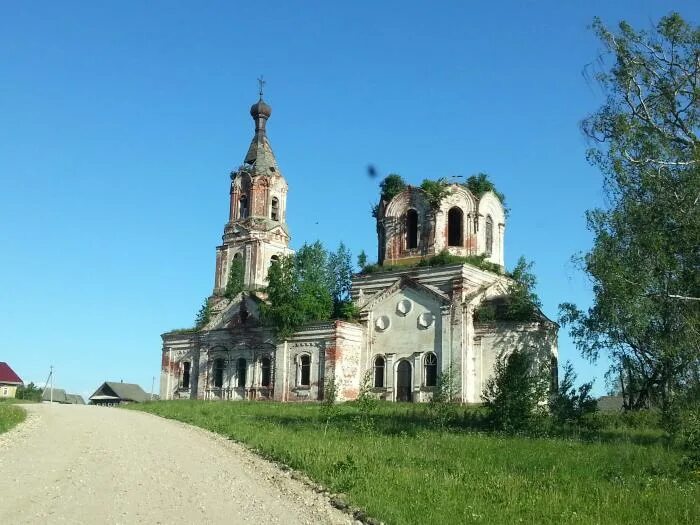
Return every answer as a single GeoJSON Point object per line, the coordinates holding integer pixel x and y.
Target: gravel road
{"type": "Point", "coordinates": [86, 464]}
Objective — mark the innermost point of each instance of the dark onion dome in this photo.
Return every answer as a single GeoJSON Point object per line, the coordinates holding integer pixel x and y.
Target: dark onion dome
{"type": "Point", "coordinates": [260, 108]}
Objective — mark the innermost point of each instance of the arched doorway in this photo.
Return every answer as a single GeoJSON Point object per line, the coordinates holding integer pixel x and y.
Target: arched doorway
{"type": "Point", "coordinates": [404, 381]}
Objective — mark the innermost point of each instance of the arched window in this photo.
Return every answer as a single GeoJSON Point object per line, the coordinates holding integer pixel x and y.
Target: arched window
{"type": "Point", "coordinates": [186, 374]}
{"type": "Point", "coordinates": [454, 227]}
{"type": "Point", "coordinates": [266, 372]}
{"type": "Point", "coordinates": [219, 367]}
{"type": "Point", "coordinates": [379, 365]}
{"type": "Point", "coordinates": [274, 259]}
{"type": "Point", "coordinates": [241, 369]}
{"type": "Point", "coordinates": [243, 207]}
{"type": "Point", "coordinates": [304, 372]}
{"type": "Point", "coordinates": [411, 229]}
{"type": "Point", "coordinates": [430, 364]}
{"type": "Point", "coordinates": [275, 209]}
{"type": "Point", "coordinates": [489, 235]}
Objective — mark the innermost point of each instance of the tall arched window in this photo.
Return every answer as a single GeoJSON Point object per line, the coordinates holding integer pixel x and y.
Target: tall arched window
{"type": "Point", "coordinates": [219, 367]}
{"type": "Point", "coordinates": [266, 372]}
{"type": "Point", "coordinates": [304, 373]}
{"type": "Point", "coordinates": [489, 235]}
{"type": "Point", "coordinates": [275, 209]}
{"type": "Point", "coordinates": [455, 219]}
{"type": "Point", "coordinates": [241, 369]}
{"type": "Point", "coordinates": [379, 365]}
{"type": "Point", "coordinates": [430, 365]}
{"type": "Point", "coordinates": [243, 207]}
{"type": "Point", "coordinates": [411, 229]}
{"type": "Point", "coordinates": [186, 374]}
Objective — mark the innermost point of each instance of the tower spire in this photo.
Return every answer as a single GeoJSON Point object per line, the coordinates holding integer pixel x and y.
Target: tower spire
{"type": "Point", "coordinates": [260, 153]}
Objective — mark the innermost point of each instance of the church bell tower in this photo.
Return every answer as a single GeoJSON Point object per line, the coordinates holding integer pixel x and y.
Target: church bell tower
{"type": "Point", "coordinates": [256, 230]}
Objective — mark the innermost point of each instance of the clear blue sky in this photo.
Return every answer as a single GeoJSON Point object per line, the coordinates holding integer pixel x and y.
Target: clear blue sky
{"type": "Point", "coordinates": [120, 122]}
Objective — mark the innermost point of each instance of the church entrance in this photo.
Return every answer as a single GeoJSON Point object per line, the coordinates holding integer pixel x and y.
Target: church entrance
{"type": "Point", "coordinates": [403, 381]}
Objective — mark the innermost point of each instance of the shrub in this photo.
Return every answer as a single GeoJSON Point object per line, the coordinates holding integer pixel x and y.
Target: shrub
{"type": "Point", "coordinates": [569, 404]}
{"type": "Point", "coordinates": [514, 393]}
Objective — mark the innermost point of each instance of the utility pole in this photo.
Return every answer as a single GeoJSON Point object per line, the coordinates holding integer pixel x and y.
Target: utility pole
{"type": "Point", "coordinates": [51, 376]}
{"type": "Point", "coordinates": [153, 382]}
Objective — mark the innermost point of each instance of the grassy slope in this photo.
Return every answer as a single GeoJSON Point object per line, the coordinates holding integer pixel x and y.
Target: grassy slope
{"type": "Point", "coordinates": [409, 472]}
{"type": "Point", "coordinates": [10, 415]}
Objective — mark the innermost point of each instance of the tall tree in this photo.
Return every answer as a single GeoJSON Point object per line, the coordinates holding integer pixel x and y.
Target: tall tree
{"type": "Point", "coordinates": [645, 258]}
{"type": "Point", "coordinates": [298, 290]}
{"type": "Point", "coordinates": [340, 275]}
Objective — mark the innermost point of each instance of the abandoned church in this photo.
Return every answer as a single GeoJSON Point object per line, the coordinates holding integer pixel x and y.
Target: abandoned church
{"type": "Point", "coordinates": [414, 321]}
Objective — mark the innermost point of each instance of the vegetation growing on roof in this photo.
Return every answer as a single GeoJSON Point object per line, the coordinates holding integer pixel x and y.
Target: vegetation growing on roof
{"type": "Point", "coordinates": [203, 316]}
{"type": "Point", "coordinates": [436, 190]}
{"type": "Point", "coordinates": [444, 258]}
{"type": "Point", "coordinates": [234, 285]}
{"type": "Point", "coordinates": [521, 304]}
{"type": "Point", "coordinates": [390, 187]}
{"type": "Point", "coordinates": [311, 285]}
{"type": "Point", "coordinates": [480, 183]}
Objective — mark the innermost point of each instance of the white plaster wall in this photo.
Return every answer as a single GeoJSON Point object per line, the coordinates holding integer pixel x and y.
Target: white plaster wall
{"type": "Point", "coordinates": [493, 341]}
{"type": "Point", "coordinates": [404, 339]}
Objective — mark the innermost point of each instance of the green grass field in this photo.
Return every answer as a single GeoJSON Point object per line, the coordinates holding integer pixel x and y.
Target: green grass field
{"type": "Point", "coordinates": [408, 471]}
{"type": "Point", "coordinates": [10, 415]}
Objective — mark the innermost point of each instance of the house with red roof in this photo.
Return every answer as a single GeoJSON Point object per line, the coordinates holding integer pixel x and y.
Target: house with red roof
{"type": "Point", "coordinates": [9, 381]}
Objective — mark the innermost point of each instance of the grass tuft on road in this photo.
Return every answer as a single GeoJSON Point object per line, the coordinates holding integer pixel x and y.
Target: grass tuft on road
{"type": "Point", "coordinates": [408, 471]}
{"type": "Point", "coordinates": [10, 416]}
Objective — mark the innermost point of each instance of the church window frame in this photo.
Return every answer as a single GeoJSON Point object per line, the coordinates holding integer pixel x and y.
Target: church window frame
{"type": "Point", "coordinates": [243, 207]}
{"type": "Point", "coordinates": [275, 209]}
{"type": "Point", "coordinates": [218, 372]}
{"type": "Point", "coordinates": [241, 372]}
{"type": "Point", "coordinates": [488, 235]}
{"type": "Point", "coordinates": [455, 227]}
{"type": "Point", "coordinates": [186, 372]}
{"type": "Point", "coordinates": [411, 229]}
{"type": "Point", "coordinates": [304, 371]}
{"type": "Point", "coordinates": [430, 369]}
{"type": "Point", "coordinates": [265, 372]}
{"type": "Point", "coordinates": [379, 371]}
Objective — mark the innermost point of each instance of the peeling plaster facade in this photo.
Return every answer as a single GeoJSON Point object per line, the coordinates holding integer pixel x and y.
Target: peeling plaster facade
{"type": "Point", "coordinates": [414, 322]}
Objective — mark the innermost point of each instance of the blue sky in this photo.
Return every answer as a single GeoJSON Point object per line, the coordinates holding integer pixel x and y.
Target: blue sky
{"type": "Point", "coordinates": [120, 121]}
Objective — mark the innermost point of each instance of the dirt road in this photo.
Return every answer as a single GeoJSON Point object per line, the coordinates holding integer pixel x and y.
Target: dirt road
{"type": "Point", "coordinates": [85, 464]}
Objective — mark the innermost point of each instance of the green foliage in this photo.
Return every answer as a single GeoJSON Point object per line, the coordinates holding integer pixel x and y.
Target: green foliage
{"type": "Point", "coordinates": [643, 264]}
{"type": "Point", "coordinates": [203, 316]}
{"type": "Point", "coordinates": [521, 304]}
{"type": "Point", "coordinates": [688, 435]}
{"type": "Point", "coordinates": [329, 408]}
{"type": "Point", "coordinates": [442, 402]}
{"type": "Point", "coordinates": [408, 471]}
{"type": "Point", "coordinates": [569, 404]}
{"type": "Point", "coordinates": [366, 404]}
{"type": "Point", "coordinates": [339, 268]}
{"type": "Point", "coordinates": [347, 310]}
{"type": "Point", "coordinates": [30, 392]}
{"type": "Point", "coordinates": [362, 259]}
{"type": "Point", "coordinates": [514, 392]}
{"type": "Point", "coordinates": [298, 290]}
{"type": "Point", "coordinates": [436, 190]}
{"type": "Point", "coordinates": [10, 415]}
{"type": "Point", "coordinates": [234, 285]}
{"type": "Point", "coordinates": [445, 258]}
{"type": "Point", "coordinates": [391, 186]}
{"type": "Point", "coordinates": [480, 183]}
